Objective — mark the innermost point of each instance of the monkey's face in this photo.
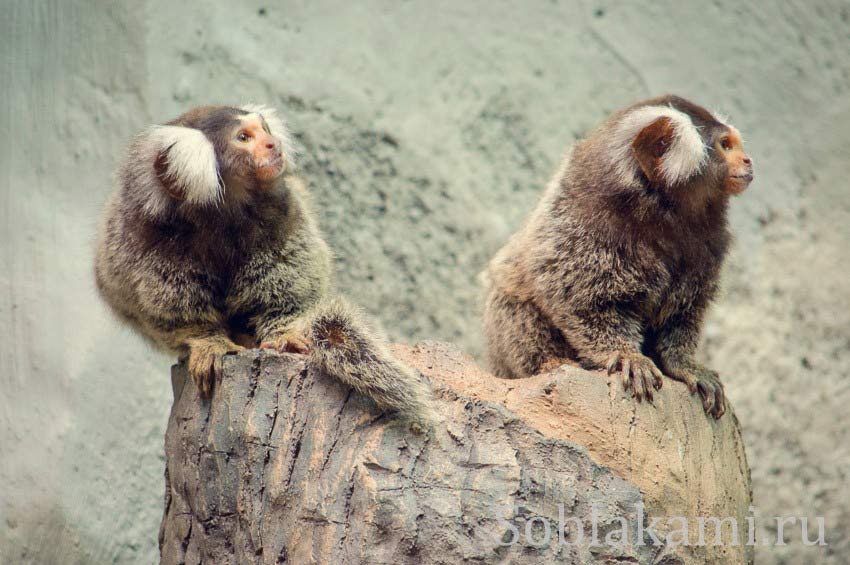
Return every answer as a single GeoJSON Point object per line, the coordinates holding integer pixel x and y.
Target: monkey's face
{"type": "Point", "coordinates": [214, 153]}
{"type": "Point", "coordinates": [735, 165]}
{"type": "Point", "coordinates": [678, 146]}
{"type": "Point", "coordinates": [259, 150]}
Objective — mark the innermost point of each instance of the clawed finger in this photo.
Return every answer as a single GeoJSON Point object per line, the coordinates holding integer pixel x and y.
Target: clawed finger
{"type": "Point", "coordinates": [201, 376]}
{"type": "Point", "coordinates": [658, 378]}
{"type": "Point", "coordinates": [712, 395]}
{"type": "Point", "coordinates": [633, 380]}
{"type": "Point", "coordinates": [719, 402]}
{"type": "Point", "coordinates": [646, 379]}
{"type": "Point", "coordinates": [640, 375]}
{"type": "Point", "coordinates": [639, 382]}
{"type": "Point", "coordinates": [707, 396]}
{"type": "Point", "coordinates": [216, 369]}
{"type": "Point", "coordinates": [612, 363]}
{"type": "Point", "coordinates": [628, 384]}
{"type": "Point", "coordinates": [204, 370]}
{"type": "Point", "coordinates": [720, 408]}
{"type": "Point", "coordinates": [208, 377]}
{"type": "Point", "coordinates": [637, 386]}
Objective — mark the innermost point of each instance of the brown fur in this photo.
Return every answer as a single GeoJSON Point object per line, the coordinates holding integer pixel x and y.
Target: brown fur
{"type": "Point", "coordinates": [616, 275]}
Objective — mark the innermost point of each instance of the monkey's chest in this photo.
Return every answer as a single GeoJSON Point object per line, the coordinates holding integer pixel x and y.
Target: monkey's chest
{"type": "Point", "coordinates": [685, 272]}
{"type": "Point", "coordinates": [681, 290]}
{"type": "Point", "coordinates": [219, 260]}
{"type": "Point", "coordinates": [669, 301]}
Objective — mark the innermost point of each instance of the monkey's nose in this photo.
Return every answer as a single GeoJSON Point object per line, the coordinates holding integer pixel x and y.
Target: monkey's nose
{"type": "Point", "coordinates": [748, 161]}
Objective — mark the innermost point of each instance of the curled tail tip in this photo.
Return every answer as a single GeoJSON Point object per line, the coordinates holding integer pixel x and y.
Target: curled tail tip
{"type": "Point", "coordinates": [334, 325]}
{"type": "Point", "coordinates": [347, 348]}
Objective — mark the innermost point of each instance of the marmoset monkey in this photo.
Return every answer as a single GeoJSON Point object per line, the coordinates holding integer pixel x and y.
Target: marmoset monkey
{"type": "Point", "coordinates": [615, 267]}
{"type": "Point", "coordinates": [209, 238]}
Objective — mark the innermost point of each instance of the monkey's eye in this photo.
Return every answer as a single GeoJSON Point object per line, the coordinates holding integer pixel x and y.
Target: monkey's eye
{"type": "Point", "coordinates": [243, 136]}
{"type": "Point", "coordinates": [724, 143]}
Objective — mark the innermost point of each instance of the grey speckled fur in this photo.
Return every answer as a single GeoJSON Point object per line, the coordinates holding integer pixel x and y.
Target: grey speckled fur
{"type": "Point", "coordinates": [207, 279]}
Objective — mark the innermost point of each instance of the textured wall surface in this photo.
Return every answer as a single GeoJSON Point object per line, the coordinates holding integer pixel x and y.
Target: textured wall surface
{"type": "Point", "coordinates": [428, 130]}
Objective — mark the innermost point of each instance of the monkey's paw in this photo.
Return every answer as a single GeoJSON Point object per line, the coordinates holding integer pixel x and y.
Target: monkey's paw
{"type": "Point", "coordinates": [705, 382]}
{"type": "Point", "coordinates": [205, 361]}
{"type": "Point", "coordinates": [289, 342]}
{"type": "Point", "coordinates": [640, 375]}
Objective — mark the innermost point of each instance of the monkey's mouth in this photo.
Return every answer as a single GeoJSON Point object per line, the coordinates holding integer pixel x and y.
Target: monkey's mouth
{"type": "Point", "coordinates": [736, 184]}
{"type": "Point", "coordinates": [270, 168]}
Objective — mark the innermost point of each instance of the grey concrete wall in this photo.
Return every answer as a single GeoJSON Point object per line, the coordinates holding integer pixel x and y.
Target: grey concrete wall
{"type": "Point", "coordinates": [428, 131]}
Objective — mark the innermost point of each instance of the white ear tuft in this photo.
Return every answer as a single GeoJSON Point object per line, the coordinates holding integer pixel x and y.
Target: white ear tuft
{"type": "Point", "coordinates": [277, 127]}
{"type": "Point", "coordinates": [684, 157]}
{"type": "Point", "coordinates": [190, 162]}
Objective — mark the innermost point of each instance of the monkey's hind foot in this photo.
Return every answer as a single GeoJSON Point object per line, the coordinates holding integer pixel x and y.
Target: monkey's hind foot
{"type": "Point", "coordinates": [205, 356]}
{"type": "Point", "coordinates": [640, 374]}
{"type": "Point", "coordinates": [288, 342]}
{"type": "Point", "coordinates": [705, 382]}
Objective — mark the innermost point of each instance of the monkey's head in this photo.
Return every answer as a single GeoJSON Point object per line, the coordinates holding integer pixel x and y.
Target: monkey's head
{"type": "Point", "coordinates": [674, 145]}
{"type": "Point", "coordinates": [210, 155]}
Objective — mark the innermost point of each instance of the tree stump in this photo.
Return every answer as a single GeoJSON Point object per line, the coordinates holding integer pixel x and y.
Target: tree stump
{"type": "Point", "coordinates": [286, 465]}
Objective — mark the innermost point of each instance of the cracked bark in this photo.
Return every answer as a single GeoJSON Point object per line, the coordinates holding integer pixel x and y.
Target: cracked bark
{"type": "Point", "coordinates": [285, 465]}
